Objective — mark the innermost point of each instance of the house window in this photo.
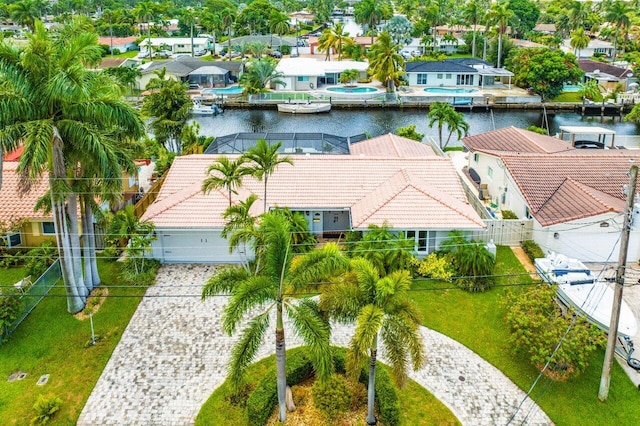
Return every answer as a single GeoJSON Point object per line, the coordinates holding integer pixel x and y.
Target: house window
{"type": "Point", "coordinates": [303, 78]}
{"type": "Point", "coordinates": [464, 79]}
{"type": "Point", "coordinates": [424, 241]}
{"type": "Point", "coordinates": [476, 157]}
{"type": "Point", "coordinates": [48, 228]}
{"type": "Point", "coordinates": [422, 79]}
{"type": "Point", "coordinates": [527, 212]}
{"type": "Point", "coordinates": [448, 77]}
{"type": "Point", "coordinates": [11, 240]}
{"type": "Point", "coordinates": [489, 172]}
{"type": "Point", "coordinates": [439, 76]}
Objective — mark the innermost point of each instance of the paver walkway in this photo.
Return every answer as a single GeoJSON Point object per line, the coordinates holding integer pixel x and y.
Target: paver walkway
{"type": "Point", "coordinates": [173, 355]}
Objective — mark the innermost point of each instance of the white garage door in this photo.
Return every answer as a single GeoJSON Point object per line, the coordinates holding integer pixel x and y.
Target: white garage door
{"type": "Point", "coordinates": [590, 247]}
{"type": "Point", "coordinates": [188, 246]}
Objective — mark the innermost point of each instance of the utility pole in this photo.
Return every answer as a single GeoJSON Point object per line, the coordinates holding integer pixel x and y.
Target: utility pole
{"type": "Point", "coordinates": [603, 393]}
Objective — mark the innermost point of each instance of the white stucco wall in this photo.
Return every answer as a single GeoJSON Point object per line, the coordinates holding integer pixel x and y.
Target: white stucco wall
{"type": "Point", "coordinates": [446, 79]}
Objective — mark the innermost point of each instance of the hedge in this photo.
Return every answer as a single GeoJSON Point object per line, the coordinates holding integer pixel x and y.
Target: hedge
{"type": "Point", "coordinates": [532, 250]}
{"type": "Point", "coordinates": [265, 396]}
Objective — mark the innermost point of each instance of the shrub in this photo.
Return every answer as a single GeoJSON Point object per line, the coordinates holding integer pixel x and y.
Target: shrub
{"type": "Point", "coordinates": [333, 396]}
{"type": "Point", "coordinates": [10, 308]}
{"type": "Point", "coordinates": [285, 49]}
{"type": "Point", "coordinates": [532, 250]}
{"type": "Point", "coordinates": [40, 258]}
{"type": "Point", "coordinates": [144, 275]}
{"type": "Point", "coordinates": [537, 324]}
{"type": "Point", "coordinates": [508, 214]}
{"type": "Point", "coordinates": [437, 266]}
{"type": "Point", "coordinates": [473, 262]}
{"type": "Point", "coordinates": [387, 398]}
{"type": "Point", "coordinates": [45, 408]}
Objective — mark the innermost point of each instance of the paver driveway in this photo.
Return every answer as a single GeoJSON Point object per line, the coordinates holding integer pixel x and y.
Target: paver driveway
{"type": "Point", "coordinates": [174, 354]}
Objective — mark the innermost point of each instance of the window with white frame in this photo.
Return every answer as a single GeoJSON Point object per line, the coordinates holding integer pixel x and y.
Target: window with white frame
{"type": "Point", "coordinates": [302, 78]}
{"type": "Point", "coordinates": [424, 241]}
{"type": "Point", "coordinates": [422, 79]}
{"type": "Point", "coordinates": [476, 157]}
{"type": "Point", "coordinates": [489, 172]}
{"type": "Point", "coordinates": [464, 79]}
{"type": "Point", "coordinates": [448, 77]}
{"type": "Point", "coordinates": [48, 228]}
{"type": "Point", "coordinates": [439, 76]}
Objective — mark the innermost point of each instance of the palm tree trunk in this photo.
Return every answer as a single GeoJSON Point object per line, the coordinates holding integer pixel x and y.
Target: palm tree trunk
{"type": "Point", "coordinates": [371, 391]}
{"type": "Point", "coordinates": [440, 135]}
{"type": "Point", "coordinates": [192, 49]}
{"type": "Point", "coordinates": [615, 46]}
{"type": "Point", "coordinates": [76, 251]}
{"type": "Point", "coordinates": [499, 47]}
{"type": "Point", "coordinates": [229, 40]}
{"type": "Point", "coordinates": [280, 364]}
{"type": "Point", "coordinates": [473, 47]}
{"type": "Point", "coordinates": [265, 193]}
{"type": "Point", "coordinates": [86, 249]}
{"type": "Point", "coordinates": [95, 276]}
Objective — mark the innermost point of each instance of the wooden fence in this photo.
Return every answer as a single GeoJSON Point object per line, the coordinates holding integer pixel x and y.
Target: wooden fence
{"type": "Point", "coordinates": [148, 198]}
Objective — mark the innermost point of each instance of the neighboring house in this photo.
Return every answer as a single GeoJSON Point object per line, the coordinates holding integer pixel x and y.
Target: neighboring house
{"type": "Point", "coordinates": [176, 44]}
{"type": "Point", "coordinates": [388, 179]}
{"type": "Point", "coordinates": [527, 44]}
{"type": "Point", "coordinates": [209, 76]}
{"type": "Point", "coordinates": [549, 29]}
{"type": "Point", "coordinates": [274, 41]}
{"type": "Point", "coordinates": [574, 196]}
{"type": "Point", "coordinates": [301, 17]}
{"type": "Point", "coordinates": [455, 72]}
{"type": "Point", "coordinates": [29, 228]}
{"type": "Point", "coordinates": [364, 41]}
{"type": "Point", "coordinates": [119, 62]}
{"type": "Point", "coordinates": [310, 73]}
{"type": "Point", "coordinates": [607, 75]}
{"type": "Point", "coordinates": [600, 47]}
{"type": "Point", "coordinates": [181, 69]}
{"type": "Point", "coordinates": [122, 44]}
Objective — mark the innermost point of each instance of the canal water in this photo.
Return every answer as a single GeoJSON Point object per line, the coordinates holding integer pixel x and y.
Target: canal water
{"type": "Point", "coordinates": [375, 122]}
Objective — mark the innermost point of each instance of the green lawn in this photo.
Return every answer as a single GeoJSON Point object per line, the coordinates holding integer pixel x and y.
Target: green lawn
{"type": "Point", "coordinates": [10, 276]}
{"type": "Point", "coordinates": [129, 54]}
{"type": "Point", "coordinates": [417, 405]}
{"type": "Point", "coordinates": [572, 97]}
{"type": "Point", "coordinates": [477, 321]}
{"type": "Point", "coordinates": [50, 341]}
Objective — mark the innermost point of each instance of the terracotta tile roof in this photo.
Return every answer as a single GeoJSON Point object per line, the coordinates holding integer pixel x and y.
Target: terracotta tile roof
{"type": "Point", "coordinates": [512, 139]}
{"type": "Point", "coordinates": [111, 62]}
{"type": "Point", "coordinates": [14, 205]}
{"type": "Point", "coordinates": [573, 185]}
{"type": "Point", "coordinates": [391, 145]}
{"type": "Point", "coordinates": [117, 41]}
{"type": "Point", "coordinates": [407, 192]}
{"type": "Point", "coordinates": [14, 155]}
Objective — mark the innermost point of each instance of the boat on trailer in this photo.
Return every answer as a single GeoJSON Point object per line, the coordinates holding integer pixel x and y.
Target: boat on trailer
{"type": "Point", "coordinates": [580, 289]}
{"type": "Point", "coordinates": [304, 108]}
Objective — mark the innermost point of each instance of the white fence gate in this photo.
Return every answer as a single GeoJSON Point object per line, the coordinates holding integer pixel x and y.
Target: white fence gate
{"type": "Point", "coordinates": [505, 232]}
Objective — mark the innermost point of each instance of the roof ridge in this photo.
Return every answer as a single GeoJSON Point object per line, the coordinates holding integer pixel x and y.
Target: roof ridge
{"type": "Point", "coordinates": [386, 200]}
{"type": "Point", "coordinates": [592, 192]}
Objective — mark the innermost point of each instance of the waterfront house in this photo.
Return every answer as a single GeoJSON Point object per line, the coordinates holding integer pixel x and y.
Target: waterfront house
{"type": "Point", "coordinates": [606, 75]}
{"type": "Point", "coordinates": [176, 44]}
{"type": "Point", "coordinates": [120, 44]}
{"type": "Point", "coordinates": [456, 72]}
{"type": "Point", "coordinates": [388, 179]}
{"type": "Point", "coordinates": [310, 73]}
{"type": "Point", "coordinates": [575, 197]}
{"type": "Point", "coordinates": [181, 68]}
{"type": "Point", "coordinates": [601, 47]}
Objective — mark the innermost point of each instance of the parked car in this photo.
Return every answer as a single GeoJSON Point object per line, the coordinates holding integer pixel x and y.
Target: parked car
{"type": "Point", "coordinates": [275, 54]}
{"type": "Point", "coordinates": [200, 52]}
{"type": "Point", "coordinates": [163, 54]}
{"type": "Point", "coordinates": [180, 55]}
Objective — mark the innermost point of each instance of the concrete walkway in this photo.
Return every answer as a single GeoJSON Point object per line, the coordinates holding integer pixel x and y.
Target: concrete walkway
{"type": "Point", "coordinates": [174, 354]}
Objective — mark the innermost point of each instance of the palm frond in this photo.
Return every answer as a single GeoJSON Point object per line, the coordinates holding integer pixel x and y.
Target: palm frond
{"type": "Point", "coordinates": [369, 321]}
{"type": "Point", "coordinates": [245, 350]}
{"type": "Point", "coordinates": [315, 333]}
{"type": "Point", "coordinates": [224, 281]}
{"type": "Point", "coordinates": [403, 342]}
{"type": "Point", "coordinates": [252, 291]}
{"type": "Point", "coordinates": [342, 301]}
{"type": "Point", "coordinates": [317, 265]}
{"type": "Point", "coordinates": [367, 276]}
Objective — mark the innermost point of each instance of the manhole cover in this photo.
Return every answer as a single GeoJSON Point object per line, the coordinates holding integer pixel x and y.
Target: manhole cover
{"type": "Point", "coordinates": [43, 380]}
{"type": "Point", "coordinates": [461, 378]}
{"type": "Point", "coordinates": [21, 375]}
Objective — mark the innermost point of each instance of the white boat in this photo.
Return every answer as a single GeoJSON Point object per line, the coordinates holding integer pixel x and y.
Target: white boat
{"type": "Point", "coordinates": [580, 289]}
{"type": "Point", "coordinates": [199, 109]}
{"type": "Point", "coordinates": [304, 108]}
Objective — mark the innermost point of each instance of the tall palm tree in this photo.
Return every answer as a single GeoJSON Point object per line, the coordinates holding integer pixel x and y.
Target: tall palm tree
{"type": "Point", "coordinates": [212, 22]}
{"type": "Point", "coordinates": [229, 174]}
{"type": "Point", "coordinates": [618, 15]}
{"type": "Point", "coordinates": [265, 159]}
{"type": "Point", "coordinates": [499, 16]}
{"type": "Point", "coordinates": [272, 287]}
{"type": "Point", "coordinates": [240, 225]}
{"type": "Point", "coordinates": [190, 18]}
{"type": "Point", "coordinates": [382, 309]}
{"type": "Point", "coordinates": [228, 17]}
{"type": "Point", "coordinates": [385, 63]}
{"type": "Point", "coordinates": [578, 14]}
{"type": "Point", "coordinates": [66, 117]}
{"type": "Point", "coordinates": [279, 24]}
{"type": "Point", "coordinates": [444, 114]}
{"type": "Point", "coordinates": [260, 75]}
{"type": "Point", "coordinates": [579, 40]}
{"type": "Point", "coordinates": [472, 13]}
{"type": "Point", "coordinates": [24, 13]}
{"type": "Point", "coordinates": [334, 38]}
{"type": "Point", "coordinates": [145, 11]}
{"type": "Point", "coordinates": [369, 13]}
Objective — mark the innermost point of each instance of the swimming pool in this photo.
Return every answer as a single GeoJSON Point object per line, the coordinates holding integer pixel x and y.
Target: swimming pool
{"type": "Point", "coordinates": [448, 90]}
{"type": "Point", "coordinates": [233, 90]}
{"type": "Point", "coordinates": [355, 89]}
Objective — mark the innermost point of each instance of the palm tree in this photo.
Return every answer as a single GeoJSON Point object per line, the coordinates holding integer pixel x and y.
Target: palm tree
{"type": "Point", "coordinates": [24, 13]}
{"type": "Point", "coordinates": [272, 286]}
{"type": "Point", "coordinates": [579, 40]}
{"type": "Point", "coordinates": [211, 21]}
{"type": "Point", "coordinates": [190, 18]}
{"type": "Point", "coordinates": [335, 38]}
{"type": "Point", "coordinates": [369, 13]}
{"type": "Point", "coordinates": [240, 225]}
{"type": "Point", "coordinates": [618, 15]}
{"type": "Point", "coordinates": [228, 17]}
{"type": "Point", "coordinates": [578, 14]}
{"type": "Point", "coordinates": [279, 24]}
{"type": "Point", "coordinates": [67, 118]}
{"type": "Point", "coordinates": [229, 175]}
{"type": "Point", "coordinates": [265, 159]}
{"type": "Point", "coordinates": [385, 63]}
{"type": "Point", "coordinates": [443, 113]}
{"type": "Point", "coordinates": [260, 75]}
{"type": "Point", "coordinates": [381, 308]}
{"type": "Point", "coordinates": [472, 13]}
{"type": "Point", "coordinates": [387, 251]}
{"type": "Point", "coordinates": [124, 225]}
{"type": "Point", "coordinates": [145, 11]}
{"type": "Point", "coordinates": [499, 15]}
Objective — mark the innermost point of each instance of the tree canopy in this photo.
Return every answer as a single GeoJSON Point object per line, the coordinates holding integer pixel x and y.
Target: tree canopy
{"type": "Point", "coordinates": [544, 70]}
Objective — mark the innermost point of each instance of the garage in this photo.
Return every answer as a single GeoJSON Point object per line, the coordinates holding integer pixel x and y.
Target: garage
{"type": "Point", "coordinates": [193, 246]}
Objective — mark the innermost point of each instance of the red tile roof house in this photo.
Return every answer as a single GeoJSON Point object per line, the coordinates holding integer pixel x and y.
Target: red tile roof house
{"type": "Point", "coordinates": [387, 178]}
{"type": "Point", "coordinates": [574, 196]}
